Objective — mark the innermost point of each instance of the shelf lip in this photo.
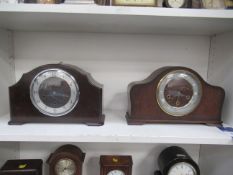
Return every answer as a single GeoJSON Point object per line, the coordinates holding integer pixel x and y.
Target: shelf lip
{"type": "Point", "coordinates": [115, 10]}
{"type": "Point", "coordinates": [110, 133]}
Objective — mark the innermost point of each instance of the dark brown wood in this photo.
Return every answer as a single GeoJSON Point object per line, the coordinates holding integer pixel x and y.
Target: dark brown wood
{"type": "Point", "coordinates": [70, 152]}
{"type": "Point", "coordinates": [116, 162]}
{"type": "Point", "coordinates": [143, 107]}
{"type": "Point", "coordinates": [22, 167]}
{"type": "Point", "coordinates": [88, 110]}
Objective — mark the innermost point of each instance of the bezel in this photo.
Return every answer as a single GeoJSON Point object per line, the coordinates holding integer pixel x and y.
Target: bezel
{"type": "Point", "coordinates": [193, 102]}
{"type": "Point", "coordinates": [43, 108]}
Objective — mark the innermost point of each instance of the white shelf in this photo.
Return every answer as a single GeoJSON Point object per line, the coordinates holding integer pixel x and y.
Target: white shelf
{"type": "Point", "coordinates": [93, 18]}
{"type": "Point", "coordinates": [114, 130]}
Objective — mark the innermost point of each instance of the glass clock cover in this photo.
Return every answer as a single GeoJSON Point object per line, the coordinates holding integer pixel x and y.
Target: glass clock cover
{"type": "Point", "coordinates": [65, 167]}
{"type": "Point", "coordinates": [54, 92]}
{"type": "Point", "coordinates": [182, 168]}
{"type": "Point", "coordinates": [179, 92]}
{"type": "Point", "coordinates": [116, 172]}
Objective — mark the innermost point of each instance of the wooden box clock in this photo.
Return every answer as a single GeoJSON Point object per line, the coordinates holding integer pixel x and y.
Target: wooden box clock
{"type": "Point", "coordinates": [174, 95]}
{"type": "Point", "coordinates": [66, 160]}
{"type": "Point", "coordinates": [22, 167]}
{"type": "Point", "coordinates": [115, 165]}
{"type": "Point", "coordinates": [56, 93]}
{"type": "Point", "coordinates": [175, 160]}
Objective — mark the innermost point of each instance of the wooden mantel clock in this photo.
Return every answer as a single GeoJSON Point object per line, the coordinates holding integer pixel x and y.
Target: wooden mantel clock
{"type": "Point", "coordinates": [115, 165]}
{"type": "Point", "coordinates": [66, 160]}
{"type": "Point", "coordinates": [56, 93]}
{"type": "Point", "coordinates": [174, 95]}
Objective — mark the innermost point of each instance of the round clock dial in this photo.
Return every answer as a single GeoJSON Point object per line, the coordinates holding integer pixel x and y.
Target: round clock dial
{"type": "Point", "coordinates": [179, 92]}
{"type": "Point", "coordinates": [65, 167]}
{"type": "Point", "coordinates": [54, 92]}
{"type": "Point", "coordinates": [182, 168]}
{"type": "Point", "coordinates": [116, 172]}
{"type": "Point", "coordinates": [175, 3]}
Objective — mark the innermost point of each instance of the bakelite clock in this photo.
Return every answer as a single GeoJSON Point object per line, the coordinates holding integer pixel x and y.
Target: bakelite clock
{"type": "Point", "coordinates": [115, 165]}
{"type": "Point", "coordinates": [56, 93]}
{"type": "Point", "coordinates": [178, 3]}
{"type": "Point", "coordinates": [66, 160]}
{"type": "Point", "coordinates": [174, 95]}
{"type": "Point", "coordinates": [175, 160]}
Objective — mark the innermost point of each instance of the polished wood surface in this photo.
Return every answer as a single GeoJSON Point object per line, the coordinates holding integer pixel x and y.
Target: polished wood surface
{"type": "Point", "coordinates": [87, 111]}
{"type": "Point", "coordinates": [116, 162]}
{"type": "Point", "coordinates": [143, 106]}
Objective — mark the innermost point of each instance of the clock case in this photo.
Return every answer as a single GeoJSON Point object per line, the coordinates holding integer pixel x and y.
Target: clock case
{"type": "Point", "coordinates": [172, 155]}
{"type": "Point", "coordinates": [22, 167]}
{"type": "Point", "coordinates": [66, 151]}
{"type": "Point", "coordinates": [143, 107]}
{"type": "Point", "coordinates": [116, 162]}
{"type": "Point", "coordinates": [87, 111]}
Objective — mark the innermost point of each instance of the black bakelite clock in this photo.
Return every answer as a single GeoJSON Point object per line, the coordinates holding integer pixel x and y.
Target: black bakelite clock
{"type": "Point", "coordinates": [175, 161]}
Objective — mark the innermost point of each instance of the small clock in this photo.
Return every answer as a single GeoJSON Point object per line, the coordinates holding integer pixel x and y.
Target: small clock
{"type": "Point", "coordinates": [66, 160]}
{"type": "Point", "coordinates": [175, 160]}
{"type": "Point", "coordinates": [115, 165]}
{"type": "Point", "coordinates": [174, 95]}
{"type": "Point", "coordinates": [56, 93]}
{"type": "Point", "coordinates": [22, 167]}
{"type": "Point", "coordinates": [178, 3]}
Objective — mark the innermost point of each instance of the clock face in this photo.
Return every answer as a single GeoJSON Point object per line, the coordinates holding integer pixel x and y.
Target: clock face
{"type": "Point", "coordinates": [65, 167]}
{"type": "Point", "coordinates": [175, 3]}
{"type": "Point", "coordinates": [182, 168]}
{"type": "Point", "coordinates": [116, 172]}
{"type": "Point", "coordinates": [179, 93]}
{"type": "Point", "coordinates": [54, 92]}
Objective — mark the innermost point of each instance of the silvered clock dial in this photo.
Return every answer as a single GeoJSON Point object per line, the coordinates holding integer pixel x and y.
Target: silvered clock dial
{"type": "Point", "coordinates": [179, 92]}
{"type": "Point", "coordinates": [65, 166]}
{"type": "Point", "coordinates": [176, 3]}
{"type": "Point", "coordinates": [54, 92]}
{"type": "Point", "coordinates": [116, 172]}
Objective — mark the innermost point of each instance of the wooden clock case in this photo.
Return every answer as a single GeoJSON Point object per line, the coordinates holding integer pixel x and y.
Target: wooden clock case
{"type": "Point", "coordinates": [87, 111]}
{"type": "Point", "coordinates": [143, 106]}
{"type": "Point", "coordinates": [115, 162]}
{"type": "Point", "coordinates": [67, 151]}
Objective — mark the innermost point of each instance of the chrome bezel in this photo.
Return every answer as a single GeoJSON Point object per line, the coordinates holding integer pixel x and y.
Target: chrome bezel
{"type": "Point", "coordinates": [194, 101]}
{"type": "Point", "coordinates": [43, 108]}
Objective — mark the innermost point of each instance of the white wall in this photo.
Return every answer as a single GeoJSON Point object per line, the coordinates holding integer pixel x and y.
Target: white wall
{"type": "Point", "coordinates": [221, 70]}
{"type": "Point", "coordinates": [216, 160]}
{"type": "Point", "coordinates": [6, 69]}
